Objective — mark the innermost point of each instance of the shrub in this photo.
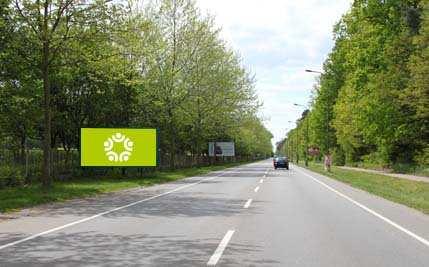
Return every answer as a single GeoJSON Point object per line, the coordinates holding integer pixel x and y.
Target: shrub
{"type": "Point", "coordinates": [11, 176]}
{"type": "Point", "coordinates": [338, 157]}
{"type": "Point", "coordinates": [422, 158]}
{"type": "Point", "coordinates": [404, 167]}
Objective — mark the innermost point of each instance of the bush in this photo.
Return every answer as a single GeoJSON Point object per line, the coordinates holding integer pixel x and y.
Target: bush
{"type": "Point", "coordinates": [11, 176]}
{"type": "Point", "coordinates": [374, 159]}
{"type": "Point", "coordinates": [404, 168]}
{"type": "Point", "coordinates": [422, 158]}
{"type": "Point", "coordinates": [338, 157]}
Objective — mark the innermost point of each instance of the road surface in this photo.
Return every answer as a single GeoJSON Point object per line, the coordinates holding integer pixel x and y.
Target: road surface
{"type": "Point", "coordinates": [250, 215]}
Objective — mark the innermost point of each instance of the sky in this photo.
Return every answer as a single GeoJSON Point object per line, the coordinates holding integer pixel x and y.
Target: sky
{"type": "Point", "coordinates": [278, 40]}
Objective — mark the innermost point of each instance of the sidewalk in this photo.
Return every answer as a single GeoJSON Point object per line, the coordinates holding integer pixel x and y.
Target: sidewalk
{"type": "Point", "coordinates": [397, 175]}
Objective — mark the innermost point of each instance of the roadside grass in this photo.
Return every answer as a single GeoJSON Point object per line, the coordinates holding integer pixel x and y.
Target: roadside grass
{"type": "Point", "coordinates": [15, 198]}
{"type": "Point", "coordinates": [404, 168]}
{"type": "Point", "coordinates": [413, 194]}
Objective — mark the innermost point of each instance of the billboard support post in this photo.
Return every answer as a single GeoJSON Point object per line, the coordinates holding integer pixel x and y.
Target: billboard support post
{"type": "Point", "coordinates": [214, 152]}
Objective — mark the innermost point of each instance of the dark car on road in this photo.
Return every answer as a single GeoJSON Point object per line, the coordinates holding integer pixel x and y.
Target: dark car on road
{"type": "Point", "coordinates": [281, 162]}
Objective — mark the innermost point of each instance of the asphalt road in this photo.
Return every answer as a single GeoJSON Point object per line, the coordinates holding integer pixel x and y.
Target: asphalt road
{"type": "Point", "coordinates": [251, 215]}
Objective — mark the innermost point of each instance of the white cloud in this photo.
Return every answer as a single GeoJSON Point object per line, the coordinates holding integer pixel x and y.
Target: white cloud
{"type": "Point", "coordinates": [278, 40]}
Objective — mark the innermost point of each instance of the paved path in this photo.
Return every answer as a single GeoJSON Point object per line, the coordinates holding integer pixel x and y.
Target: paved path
{"type": "Point", "coordinates": [250, 215]}
{"type": "Point", "coordinates": [396, 175]}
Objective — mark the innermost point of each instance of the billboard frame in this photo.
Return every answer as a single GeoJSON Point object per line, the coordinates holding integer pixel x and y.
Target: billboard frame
{"type": "Point", "coordinates": [158, 158]}
{"type": "Point", "coordinates": [214, 147]}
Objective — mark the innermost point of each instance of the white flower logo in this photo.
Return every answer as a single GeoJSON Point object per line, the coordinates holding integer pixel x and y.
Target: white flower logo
{"type": "Point", "coordinates": [118, 138]}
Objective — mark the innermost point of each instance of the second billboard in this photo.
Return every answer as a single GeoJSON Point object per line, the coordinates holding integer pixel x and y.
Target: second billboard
{"type": "Point", "coordinates": [221, 149]}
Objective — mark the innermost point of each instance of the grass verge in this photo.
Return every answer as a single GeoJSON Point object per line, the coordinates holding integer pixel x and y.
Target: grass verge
{"type": "Point", "coordinates": [12, 199]}
{"type": "Point", "coordinates": [403, 168]}
{"type": "Point", "coordinates": [413, 194]}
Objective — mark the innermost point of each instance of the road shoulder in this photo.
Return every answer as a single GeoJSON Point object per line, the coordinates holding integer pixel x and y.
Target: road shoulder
{"type": "Point", "coordinates": [405, 216]}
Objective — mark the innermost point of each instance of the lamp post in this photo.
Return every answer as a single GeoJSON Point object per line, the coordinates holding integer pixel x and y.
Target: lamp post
{"type": "Point", "coordinates": [306, 135]}
{"type": "Point", "coordinates": [287, 143]}
{"type": "Point", "coordinates": [293, 146]}
{"type": "Point", "coordinates": [313, 71]}
{"type": "Point", "coordinates": [327, 115]}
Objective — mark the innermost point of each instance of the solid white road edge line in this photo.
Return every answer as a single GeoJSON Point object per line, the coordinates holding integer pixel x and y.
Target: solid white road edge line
{"type": "Point", "coordinates": [248, 202]}
{"type": "Point", "coordinates": [256, 189]}
{"type": "Point", "coordinates": [106, 212]}
{"type": "Point", "coordinates": [387, 220]}
{"type": "Point", "coordinates": [219, 251]}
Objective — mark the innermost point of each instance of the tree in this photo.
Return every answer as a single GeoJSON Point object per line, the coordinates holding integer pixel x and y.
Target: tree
{"type": "Point", "coordinates": [51, 26]}
{"type": "Point", "coordinates": [69, 64]}
{"type": "Point", "coordinates": [370, 99]}
{"type": "Point", "coordinates": [416, 96]}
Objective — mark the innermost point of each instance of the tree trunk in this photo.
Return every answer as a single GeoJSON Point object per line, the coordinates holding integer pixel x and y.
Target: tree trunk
{"type": "Point", "coordinates": [46, 173]}
{"type": "Point", "coordinates": [22, 150]}
{"type": "Point", "coordinates": [46, 179]}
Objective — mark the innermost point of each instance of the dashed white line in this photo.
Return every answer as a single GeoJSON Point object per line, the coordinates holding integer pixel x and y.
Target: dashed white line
{"type": "Point", "coordinates": [387, 220]}
{"type": "Point", "coordinates": [257, 189]}
{"type": "Point", "coordinates": [261, 181]}
{"type": "Point", "coordinates": [219, 251]}
{"type": "Point", "coordinates": [248, 202]}
{"type": "Point", "coordinates": [106, 212]}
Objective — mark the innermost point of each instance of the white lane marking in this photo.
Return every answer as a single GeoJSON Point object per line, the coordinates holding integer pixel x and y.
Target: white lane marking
{"type": "Point", "coordinates": [256, 189]}
{"type": "Point", "coordinates": [248, 202]}
{"type": "Point", "coordinates": [264, 176]}
{"type": "Point", "coordinates": [261, 181]}
{"type": "Point", "coordinates": [387, 220]}
{"type": "Point", "coordinates": [104, 213]}
{"type": "Point", "coordinates": [218, 252]}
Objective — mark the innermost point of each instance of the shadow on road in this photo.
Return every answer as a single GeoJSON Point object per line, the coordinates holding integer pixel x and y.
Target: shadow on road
{"type": "Point", "coordinates": [95, 249]}
{"type": "Point", "coordinates": [72, 247]}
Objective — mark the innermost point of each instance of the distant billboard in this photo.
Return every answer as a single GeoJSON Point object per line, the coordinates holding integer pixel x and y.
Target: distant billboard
{"type": "Point", "coordinates": [118, 147]}
{"type": "Point", "coordinates": [221, 149]}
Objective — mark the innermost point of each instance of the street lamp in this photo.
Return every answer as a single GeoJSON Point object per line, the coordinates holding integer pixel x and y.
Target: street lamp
{"type": "Point", "coordinates": [292, 157]}
{"type": "Point", "coordinates": [327, 125]}
{"type": "Point", "coordinates": [306, 136]}
{"type": "Point", "coordinates": [314, 71]}
{"type": "Point", "coordinates": [286, 143]}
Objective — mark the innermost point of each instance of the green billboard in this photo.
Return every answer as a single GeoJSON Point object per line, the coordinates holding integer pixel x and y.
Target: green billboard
{"type": "Point", "coordinates": [118, 147]}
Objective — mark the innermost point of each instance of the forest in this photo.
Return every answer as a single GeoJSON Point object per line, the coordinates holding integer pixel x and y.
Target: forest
{"type": "Point", "coordinates": [66, 65]}
{"type": "Point", "coordinates": [370, 104]}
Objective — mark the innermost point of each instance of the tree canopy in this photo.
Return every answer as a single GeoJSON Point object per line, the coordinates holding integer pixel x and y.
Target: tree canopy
{"type": "Point", "coordinates": [68, 64]}
{"type": "Point", "coordinates": [371, 101]}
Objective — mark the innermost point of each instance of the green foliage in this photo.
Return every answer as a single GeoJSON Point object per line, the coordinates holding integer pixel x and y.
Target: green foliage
{"type": "Point", "coordinates": [11, 176]}
{"type": "Point", "coordinates": [371, 102]}
{"type": "Point", "coordinates": [338, 157]}
{"type": "Point", "coordinates": [112, 65]}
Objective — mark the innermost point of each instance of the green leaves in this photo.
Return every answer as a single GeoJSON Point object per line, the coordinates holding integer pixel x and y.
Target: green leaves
{"type": "Point", "coordinates": [372, 99]}
{"type": "Point", "coordinates": [163, 66]}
